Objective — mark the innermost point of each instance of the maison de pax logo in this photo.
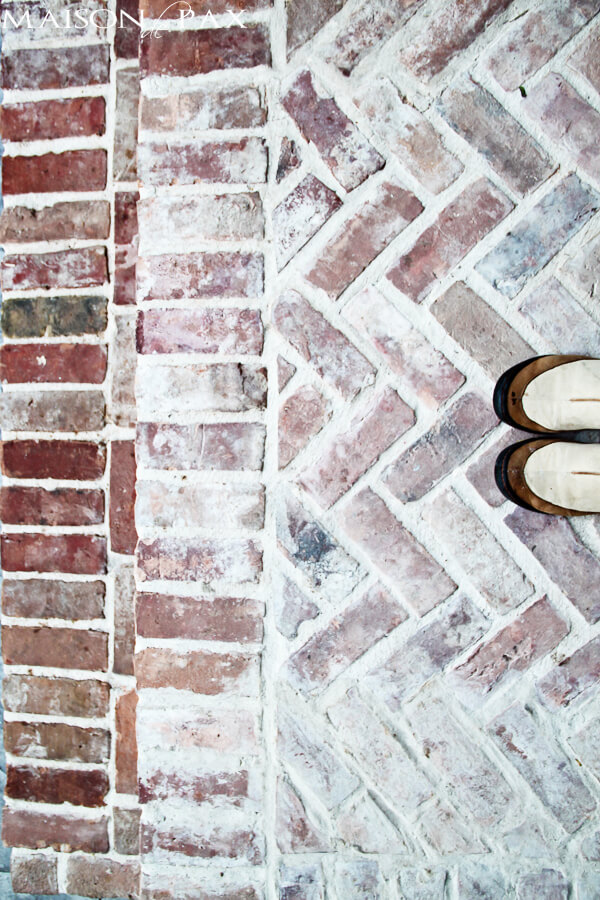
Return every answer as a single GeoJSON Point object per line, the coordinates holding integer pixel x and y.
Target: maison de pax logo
{"type": "Point", "coordinates": [81, 18]}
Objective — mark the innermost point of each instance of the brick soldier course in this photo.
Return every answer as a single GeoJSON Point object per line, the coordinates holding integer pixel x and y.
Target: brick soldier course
{"type": "Point", "coordinates": [269, 629]}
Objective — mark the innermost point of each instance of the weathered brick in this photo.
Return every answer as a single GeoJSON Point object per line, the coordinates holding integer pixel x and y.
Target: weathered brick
{"type": "Point", "coordinates": [564, 557]}
{"type": "Point", "coordinates": [344, 149]}
{"type": "Point", "coordinates": [423, 884]}
{"type": "Point", "coordinates": [79, 554]}
{"type": "Point", "coordinates": [126, 751]}
{"type": "Point", "coordinates": [127, 831]}
{"type": "Point", "coordinates": [71, 170]}
{"type": "Point", "coordinates": [358, 876]}
{"type": "Point", "coordinates": [53, 411]}
{"type": "Point", "coordinates": [323, 346]}
{"type": "Point", "coordinates": [315, 551]}
{"type": "Point", "coordinates": [173, 559]}
{"type": "Point", "coordinates": [123, 534]}
{"type": "Point", "coordinates": [533, 39]}
{"type": "Point", "coordinates": [53, 316]}
{"type": "Point", "coordinates": [427, 652]}
{"type": "Point", "coordinates": [124, 280]}
{"type": "Point", "coordinates": [487, 564]}
{"type": "Point", "coordinates": [85, 267]}
{"type": "Point", "coordinates": [235, 106]}
{"type": "Point", "coordinates": [76, 460]}
{"type": "Point", "coordinates": [79, 363]}
{"type": "Point", "coordinates": [43, 69]}
{"type": "Point", "coordinates": [88, 219]}
{"type": "Point", "coordinates": [481, 472]}
{"type": "Point", "coordinates": [219, 729]}
{"type": "Point", "coordinates": [223, 507]}
{"type": "Point", "coordinates": [549, 884]}
{"type": "Point", "coordinates": [81, 116]}
{"type": "Point", "coordinates": [478, 882]}
{"type": "Point", "coordinates": [230, 162]}
{"type": "Point", "coordinates": [285, 372]}
{"type": "Point", "coordinates": [185, 53]}
{"type": "Point", "coordinates": [40, 598]}
{"type": "Point", "coordinates": [585, 58]}
{"type": "Point", "coordinates": [40, 26]}
{"type": "Point", "coordinates": [127, 207]}
{"type": "Point", "coordinates": [53, 740]}
{"type": "Point", "coordinates": [582, 266]}
{"type": "Point", "coordinates": [122, 407]}
{"type": "Point", "coordinates": [423, 369]}
{"type": "Point", "coordinates": [541, 762]}
{"type": "Point", "coordinates": [55, 696]}
{"type": "Point", "coordinates": [457, 229]}
{"type": "Point", "coordinates": [200, 275]}
{"type": "Point", "coordinates": [409, 135]}
{"type": "Point", "coordinates": [36, 830]}
{"type": "Point", "coordinates": [442, 449]}
{"type": "Point", "coordinates": [304, 879]}
{"type": "Point", "coordinates": [301, 416]}
{"type": "Point", "coordinates": [371, 431]}
{"type": "Point", "coordinates": [305, 18]}
{"type": "Point", "coordinates": [94, 877]}
{"type": "Point", "coordinates": [587, 746]}
{"type": "Point", "coordinates": [448, 833]}
{"type": "Point", "coordinates": [364, 826]}
{"type": "Point", "coordinates": [200, 671]}
{"type": "Point", "coordinates": [300, 215]}
{"type": "Point", "coordinates": [211, 216]}
{"type": "Point", "coordinates": [292, 606]}
{"type": "Point", "coordinates": [448, 33]}
{"type": "Point", "coordinates": [127, 35]}
{"type": "Point", "coordinates": [513, 649]}
{"type": "Point", "coordinates": [204, 838]}
{"type": "Point", "coordinates": [539, 236]}
{"type": "Point", "coordinates": [227, 447]}
{"type": "Point", "coordinates": [192, 618]}
{"type": "Point", "coordinates": [344, 639]}
{"type": "Point", "coordinates": [38, 506]}
{"type": "Point", "coordinates": [124, 620]}
{"type": "Point", "coordinates": [370, 24]}
{"type": "Point", "coordinates": [415, 574]}
{"type": "Point", "coordinates": [362, 237]}
{"type": "Point", "coordinates": [238, 331]}
{"type": "Point", "coordinates": [574, 675]}
{"type": "Point", "coordinates": [373, 745]}
{"type": "Point", "coordinates": [62, 648]}
{"type": "Point", "coordinates": [42, 785]}
{"type": "Point", "coordinates": [227, 788]}
{"type": "Point", "coordinates": [289, 159]}
{"type": "Point", "coordinates": [295, 830]}
{"type": "Point", "coordinates": [126, 125]}
{"type": "Point", "coordinates": [556, 314]}
{"type": "Point", "coordinates": [34, 873]}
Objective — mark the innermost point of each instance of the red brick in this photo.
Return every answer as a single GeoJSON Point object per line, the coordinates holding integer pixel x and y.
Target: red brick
{"type": "Point", "coordinates": [41, 785]}
{"type": "Point", "coordinates": [344, 149]}
{"type": "Point", "coordinates": [229, 162]}
{"type": "Point", "coordinates": [414, 573]}
{"type": "Point", "coordinates": [585, 58]}
{"type": "Point", "coordinates": [74, 460]}
{"type": "Point", "coordinates": [513, 649]}
{"type": "Point", "coordinates": [127, 35]}
{"type": "Point", "coordinates": [205, 841]}
{"type": "Point", "coordinates": [53, 410]}
{"type": "Point", "coordinates": [81, 116]}
{"type": "Point", "coordinates": [199, 560]}
{"type": "Point", "coordinates": [43, 69]}
{"type": "Point", "coordinates": [72, 170]}
{"type": "Point", "coordinates": [224, 447]}
{"type": "Point", "coordinates": [200, 671]}
{"type": "Point", "coordinates": [237, 331]}
{"type": "Point", "coordinates": [124, 620]}
{"type": "Point", "coordinates": [126, 216]}
{"type": "Point", "coordinates": [79, 554]}
{"type": "Point", "coordinates": [126, 751]}
{"type": "Point", "coordinates": [41, 598]}
{"type": "Point", "coordinates": [224, 787]}
{"type": "Point", "coordinates": [185, 53]}
{"type": "Point", "coordinates": [53, 740]}
{"type": "Point", "coordinates": [126, 125]}
{"type": "Point", "coordinates": [235, 106]}
{"type": "Point", "coordinates": [372, 430]}
{"type": "Point", "coordinates": [423, 369]}
{"type": "Point", "coordinates": [37, 872]}
{"type": "Point", "coordinates": [447, 33]}
{"type": "Point", "coordinates": [327, 350]}
{"type": "Point", "coordinates": [362, 237]}
{"type": "Point", "coordinates": [97, 877]}
{"type": "Point", "coordinates": [36, 830]}
{"type": "Point", "coordinates": [62, 648]}
{"type": "Point", "coordinates": [123, 536]}
{"type": "Point", "coordinates": [344, 639]}
{"type": "Point", "coordinates": [38, 506]}
{"type": "Point", "coordinates": [369, 26]}
{"type": "Point", "coordinates": [301, 416]}
{"type": "Point", "coordinates": [86, 267]}
{"type": "Point", "coordinates": [300, 215]}
{"type": "Point", "coordinates": [223, 507]}
{"type": "Point", "coordinates": [56, 696]}
{"type": "Point", "coordinates": [573, 675]}
{"type": "Point", "coordinates": [289, 159]}
{"type": "Point", "coordinates": [88, 219]}
{"type": "Point", "coordinates": [192, 618]}
{"type": "Point", "coordinates": [200, 275]}
{"type": "Point", "coordinates": [458, 228]}
{"type": "Point", "coordinates": [127, 831]}
{"type": "Point", "coordinates": [80, 363]}
{"type": "Point", "coordinates": [442, 449]}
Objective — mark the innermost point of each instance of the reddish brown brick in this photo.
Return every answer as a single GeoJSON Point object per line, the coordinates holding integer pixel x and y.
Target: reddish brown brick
{"type": "Point", "coordinates": [237, 331]}
{"type": "Point", "coordinates": [226, 447]}
{"type": "Point", "coordinates": [123, 535]}
{"type": "Point", "coordinates": [201, 671]}
{"type": "Point", "coordinates": [196, 275]}
{"type": "Point", "coordinates": [72, 170]}
{"type": "Point", "coordinates": [230, 162]}
{"type": "Point", "coordinates": [74, 460]}
{"type": "Point", "coordinates": [205, 788]}
{"type": "Point", "coordinates": [217, 619]}
{"type": "Point", "coordinates": [126, 219]}
{"type": "Point", "coordinates": [199, 560]}
{"type": "Point", "coordinates": [55, 696]}
{"type": "Point", "coordinates": [79, 554]}
{"type": "Point", "coordinates": [43, 69]}
{"type": "Point", "coordinates": [459, 227]}
{"type": "Point", "coordinates": [37, 872]}
{"type": "Point", "coordinates": [126, 752]}
{"type": "Point", "coordinates": [97, 877]}
{"type": "Point", "coordinates": [41, 785]}
{"type": "Point", "coordinates": [53, 410]}
{"type": "Point", "coordinates": [62, 648]}
{"type": "Point", "coordinates": [574, 675]}
{"type": "Point", "coordinates": [215, 107]}
{"type": "Point", "coordinates": [38, 506]}
{"type": "Point", "coordinates": [81, 116]}
{"type": "Point", "coordinates": [81, 363]}
{"type": "Point", "coordinates": [127, 35]}
{"type": "Point", "coordinates": [88, 219]}
{"type": "Point", "coordinates": [125, 275]}
{"type": "Point", "coordinates": [301, 416]}
{"type": "Point", "coordinates": [36, 830]}
{"type": "Point", "coordinates": [186, 53]}
{"type": "Point", "coordinates": [42, 598]}
{"type": "Point", "coordinates": [204, 841]}
{"type": "Point", "coordinates": [86, 267]}
{"type": "Point", "coordinates": [362, 238]}
{"type": "Point", "coordinates": [53, 740]}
